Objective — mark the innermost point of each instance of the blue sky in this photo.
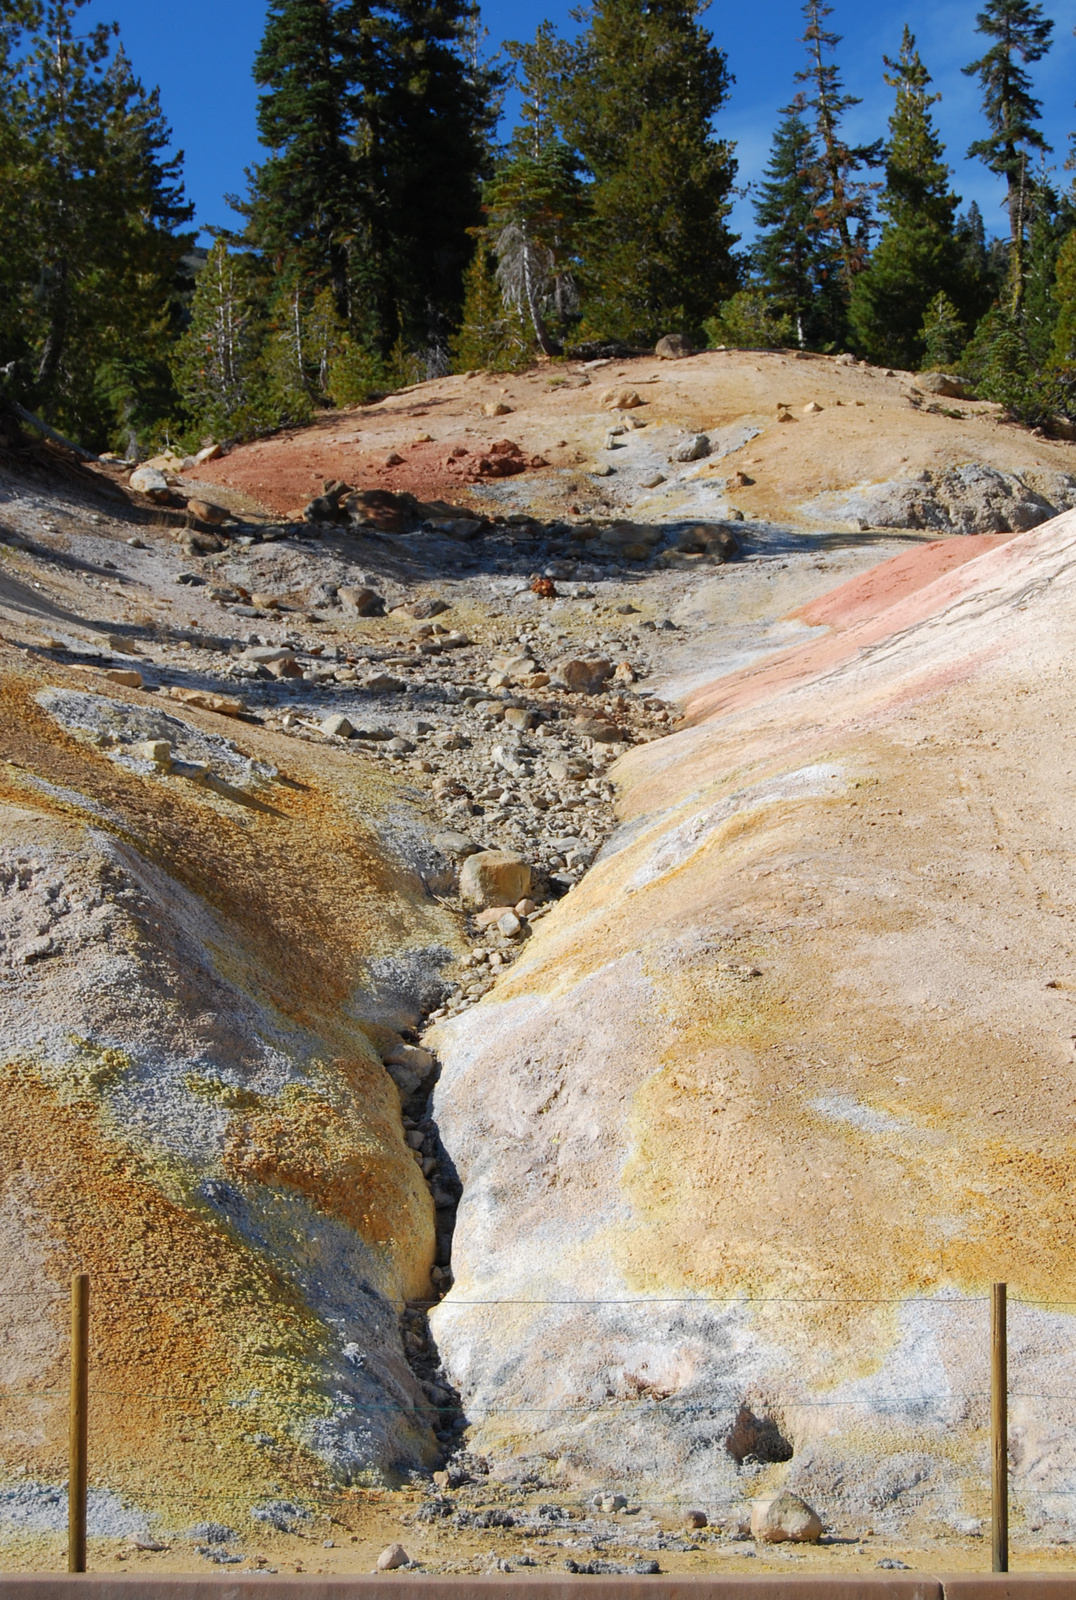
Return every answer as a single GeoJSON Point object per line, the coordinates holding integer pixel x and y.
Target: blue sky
{"type": "Point", "coordinates": [200, 55]}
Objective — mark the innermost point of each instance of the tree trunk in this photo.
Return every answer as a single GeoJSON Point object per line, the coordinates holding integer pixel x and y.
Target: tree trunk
{"type": "Point", "coordinates": [541, 332]}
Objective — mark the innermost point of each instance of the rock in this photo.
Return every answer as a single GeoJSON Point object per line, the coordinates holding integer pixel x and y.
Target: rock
{"type": "Point", "coordinates": [151, 481]}
{"type": "Point", "coordinates": [210, 452]}
{"type": "Point", "coordinates": [400, 746]}
{"type": "Point", "coordinates": [126, 678]}
{"type": "Point", "coordinates": [261, 655]}
{"type": "Point", "coordinates": [610, 1502]}
{"type": "Point", "coordinates": [206, 511]}
{"type": "Point", "coordinates": [739, 480]}
{"type": "Point", "coordinates": [524, 908]}
{"type": "Point", "coordinates": [621, 399]}
{"type": "Point", "coordinates": [510, 759]}
{"type": "Point", "coordinates": [225, 705]}
{"type": "Point", "coordinates": [383, 683]}
{"type": "Point", "coordinates": [812, 409]}
{"type": "Point", "coordinates": [693, 449]}
{"type": "Point", "coordinates": [711, 539]}
{"type": "Point", "coordinates": [598, 729]}
{"type": "Point", "coordinates": [602, 472]}
{"type": "Point", "coordinates": [519, 717]}
{"type": "Point", "coordinates": [585, 676]}
{"type": "Point", "coordinates": [201, 544]}
{"type": "Point", "coordinates": [943, 384]}
{"type": "Point", "coordinates": [394, 459]}
{"type": "Point", "coordinates": [786, 1517]}
{"type": "Point", "coordinates": [456, 845]}
{"type": "Point", "coordinates": [496, 408]}
{"type": "Point", "coordinates": [653, 479]}
{"type": "Point", "coordinates": [494, 877]}
{"type": "Point", "coordinates": [363, 602]}
{"type": "Point", "coordinates": [422, 610]}
{"type": "Point", "coordinates": [544, 588]}
{"type": "Point", "coordinates": [510, 925]}
{"type": "Point", "coordinates": [845, 359]}
{"type": "Point", "coordinates": [265, 602]}
{"type": "Point", "coordinates": [673, 347]}
{"type": "Point", "coordinates": [393, 1556]}
{"type": "Point", "coordinates": [696, 1519]}
{"type": "Point", "coordinates": [338, 727]}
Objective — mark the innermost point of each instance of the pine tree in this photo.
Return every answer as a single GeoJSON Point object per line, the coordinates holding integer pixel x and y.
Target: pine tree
{"type": "Point", "coordinates": [942, 334]}
{"type": "Point", "coordinates": [535, 202]}
{"type": "Point", "coordinates": [845, 200]}
{"type": "Point", "coordinates": [492, 335]}
{"type": "Point", "coordinates": [433, 119]}
{"type": "Point", "coordinates": [98, 254]}
{"type": "Point", "coordinates": [377, 126]}
{"type": "Point", "coordinates": [637, 100]}
{"type": "Point", "coordinates": [918, 255]}
{"type": "Point", "coordinates": [303, 210]}
{"type": "Point", "coordinates": [1019, 30]}
{"type": "Point", "coordinates": [235, 378]}
{"type": "Point", "coordinates": [791, 253]}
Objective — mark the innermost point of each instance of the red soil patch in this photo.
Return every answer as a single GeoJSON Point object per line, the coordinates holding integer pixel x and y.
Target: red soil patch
{"type": "Point", "coordinates": [883, 586]}
{"type": "Point", "coordinates": [285, 472]}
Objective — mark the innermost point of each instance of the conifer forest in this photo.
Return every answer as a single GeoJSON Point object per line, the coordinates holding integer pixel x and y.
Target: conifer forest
{"type": "Point", "coordinates": [394, 230]}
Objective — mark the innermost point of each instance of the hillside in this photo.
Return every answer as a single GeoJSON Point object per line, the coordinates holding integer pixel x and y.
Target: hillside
{"type": "Point", "coordinates": [764, 1027]}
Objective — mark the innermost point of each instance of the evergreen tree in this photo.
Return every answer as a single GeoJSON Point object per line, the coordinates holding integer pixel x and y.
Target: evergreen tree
{"type": "Point", "coordinates": [918, 255]}
{"type": "Point", "coordinates": [492, 335]}
{"type": "Point", "coordinates": [845, 200]}
{"type": "Point", "coordinates": [637, 100]}
{"type": "Point", "coordinates": [303, 209]}
{"type": "Point", "coordinates": [98, 254]}
{"type": "Point", "coordinates": [1019, 30]}
{"type": "Point", "coordinates": [237, 371]}
{"type": "Point", "coordinates": [436, 112]}
{"type": "Point", "coordinates": [792, 255]}
{"type": "Point", "coordinates": [942, 334]}
{"type": "Point", "coordinates": [535, 202]}
{"type": "Point", "coordinates": [377, 126]}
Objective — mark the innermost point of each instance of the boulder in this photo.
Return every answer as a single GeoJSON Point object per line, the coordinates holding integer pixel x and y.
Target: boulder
{"type": "Point", "coordinates": [206, 511]}
{"type": "Point", "coordinates": [786, 1517]}
{"type": "Point", "coordinates": [261, 655]}
{"type": "Point", "coordinates": [943, 384]}
{"type": "Point", "coordinates": [585, 676]}
{"type": "Point", "coordinates": [692, 449]}
{"type": "Point", "coordinates": [711, 539]}
{"type": "Point", "coordinates": [151, 481]}
{"type": "Point", "coordinates": [393, 1556]}
{"type": "Point", "coordinates": [673, 347]}
{"type": "Point", "coordinates": [494, 878]}
{"type": "Point", "coordinates": [338, 726]}
{"type": "Point", "coordinates": [363, 602]}
{"type": "Point", "coordinates": [209, 452]}
{"type": "Point", "coordinates": [621, 399]}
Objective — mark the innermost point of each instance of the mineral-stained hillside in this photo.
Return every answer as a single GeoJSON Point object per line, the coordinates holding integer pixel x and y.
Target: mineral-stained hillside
{"type": "Point", "coordinates": [741, 1140]}
{"type": "Point", "coordinates": [755, 1049]}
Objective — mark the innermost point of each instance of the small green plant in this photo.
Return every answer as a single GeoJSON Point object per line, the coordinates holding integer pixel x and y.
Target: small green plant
{"type": "Point", "coordinates": [750, 322]}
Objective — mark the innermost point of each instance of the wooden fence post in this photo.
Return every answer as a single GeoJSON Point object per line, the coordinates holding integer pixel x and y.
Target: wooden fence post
{"type": "Point", "coordinates": [78, 1432]}
{"type": "Point", "coordinates": [999, 1427]}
